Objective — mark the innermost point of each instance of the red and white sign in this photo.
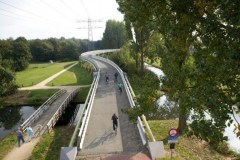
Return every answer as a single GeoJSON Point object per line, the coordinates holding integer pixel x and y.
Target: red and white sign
{"type": "Point", "coordinates": [172, 132]}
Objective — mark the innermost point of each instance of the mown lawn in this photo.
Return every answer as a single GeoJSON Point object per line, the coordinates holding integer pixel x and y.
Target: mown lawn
{"type": "Point", "coordinates": [38, 72]}
{"type": "Point", "coordinates": [74, 76]}
{"type": "Point", "coordinates": [49, 146]}
{"type": "Point", "coordinates": [187, 148]}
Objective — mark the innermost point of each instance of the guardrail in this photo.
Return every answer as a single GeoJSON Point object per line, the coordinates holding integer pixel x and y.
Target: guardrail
{"type": "Point", "coordinates": [58, 113]}
{"type": "Point", "coordinates": [88, 107]}
{"type": "Point", "coordinates": [141, 131]}
{"type": "Point", "coordinates": [127, 86]}
{"type": "Point", "coordinates": [42, 109]}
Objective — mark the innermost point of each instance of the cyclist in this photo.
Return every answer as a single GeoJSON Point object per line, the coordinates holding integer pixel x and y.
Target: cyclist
{"type": "Point", "coordinates": [120, 87]}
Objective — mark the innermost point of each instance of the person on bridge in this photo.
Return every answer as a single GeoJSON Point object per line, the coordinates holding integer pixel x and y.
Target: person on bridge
{"type": "Point", "coordinates": [19, 134]}
{"type": "Point", "coordinates": [116, 76]}
{"type": "Point", "coordinates": [115, 122]}
{"type": "Point", "coordinates": [107, 77]}
{"type": "Point", "coordinates": [120, 87]}
{"type": "Point", "coordinates": [29, 133]}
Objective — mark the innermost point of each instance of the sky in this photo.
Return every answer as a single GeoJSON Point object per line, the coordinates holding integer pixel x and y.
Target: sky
{"type": "Point", "coordinates": [43, 19]}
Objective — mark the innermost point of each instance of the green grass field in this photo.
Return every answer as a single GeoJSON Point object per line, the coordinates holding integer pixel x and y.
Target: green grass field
{"type": "Point", "coordinates": [74, 76]}
{"type": "Point", "coordinates": [38, 72]}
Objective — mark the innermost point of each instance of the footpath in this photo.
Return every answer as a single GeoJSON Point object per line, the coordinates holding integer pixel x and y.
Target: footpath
{"type": "Point", "coordinates": [25, 151]}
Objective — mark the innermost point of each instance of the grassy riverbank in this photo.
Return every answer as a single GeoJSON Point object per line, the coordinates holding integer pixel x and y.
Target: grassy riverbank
{"type": "Point", "coordinates": [7, 144]}
{"type": "Point", "coordinates": [50, 144]}
{"type": "Point", "coordinates": [188, 147]}
{"type": "Point", "coordinates": [30, 97]}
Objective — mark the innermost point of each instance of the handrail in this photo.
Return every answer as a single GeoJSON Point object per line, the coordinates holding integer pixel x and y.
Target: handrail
{"type": "Point", "coordinates": [49, 124]}
{"type": "Point", "coordinates": [88, 107]}
{"type": "Point", "coordinates": [125, 82]}
{"type": "Point", "coordinates": [142, 131]}
{"type": "Point", "coordinates": [82, 120]}
{"type": "Point", "coordinates": [41, 109]}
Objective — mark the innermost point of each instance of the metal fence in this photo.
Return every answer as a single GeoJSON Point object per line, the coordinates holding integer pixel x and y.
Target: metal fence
{"type": "Point", "coordinates": [42, 109]}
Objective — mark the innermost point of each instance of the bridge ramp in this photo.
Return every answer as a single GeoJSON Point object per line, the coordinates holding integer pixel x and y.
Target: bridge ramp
{"type": "Point", "coordinates": [100, 139]}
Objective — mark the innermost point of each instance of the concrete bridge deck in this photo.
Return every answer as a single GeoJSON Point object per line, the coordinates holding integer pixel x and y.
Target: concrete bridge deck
{"type": "Point", "coordinates": [52, 109]}
{"type": "Point", "coordinates": [100, 141]}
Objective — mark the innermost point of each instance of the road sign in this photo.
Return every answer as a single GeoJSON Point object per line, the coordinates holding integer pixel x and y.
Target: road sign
{"type": "Point", "coordinates": [172, 132]}
{"type": "Point", "coordinates": [172, 139]}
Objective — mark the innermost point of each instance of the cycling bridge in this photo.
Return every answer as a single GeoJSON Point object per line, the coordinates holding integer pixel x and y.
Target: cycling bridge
{"type": "Point", "coordinates": [97, 140]}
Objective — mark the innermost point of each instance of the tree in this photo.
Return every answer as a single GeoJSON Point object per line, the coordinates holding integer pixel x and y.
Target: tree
{"type": "Point", "coordinates": [42, 50]}
{"type": "Point", "coordinates": [114, 35]}
{"type": "Point", "coordinates": [6, 53]}
{"type": "Point", "coordinates": [199, 55]}
{"type": "Point", "coordinates": [21, 54]}
{"type": "Point", "coordinates": [7, 82]}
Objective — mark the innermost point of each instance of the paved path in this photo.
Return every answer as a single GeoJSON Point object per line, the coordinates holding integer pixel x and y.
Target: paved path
{"type": "Point", "coordinates": [42, 84]}
{"type": "Point", "coordinates": [100, 141]}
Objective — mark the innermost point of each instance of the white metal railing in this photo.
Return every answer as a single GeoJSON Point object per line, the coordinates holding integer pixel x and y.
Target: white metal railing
{"type": "Point", "coordinates": [42, 109]}
{"type": "Point", "coordinates": [52, 121]}
{"type": "Point", "coordinates": [126, 83]}
{"type": "Point", "coordinates": [88, 107]}
{"type": "Point", "coordinates": [88, 104]}
{"type": "Point", "coordinates": [141, 131]}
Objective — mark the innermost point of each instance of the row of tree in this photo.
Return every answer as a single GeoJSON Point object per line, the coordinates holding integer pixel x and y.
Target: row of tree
{"type": "Point", "coordinates": [198, 43]}
{"type": "Point", "coordinates": [15, 55]}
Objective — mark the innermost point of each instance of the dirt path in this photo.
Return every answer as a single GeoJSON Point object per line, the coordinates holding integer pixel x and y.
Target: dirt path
{"type": "Point", "coordinates": [23, 152]}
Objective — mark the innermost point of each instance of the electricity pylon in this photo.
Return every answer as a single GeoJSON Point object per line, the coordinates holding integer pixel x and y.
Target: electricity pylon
{"type": "Point", "coordinates": [90, 32]}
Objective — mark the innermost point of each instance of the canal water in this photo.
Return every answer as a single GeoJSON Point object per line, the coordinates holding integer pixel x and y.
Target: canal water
{"type": "Point", "coordinates": [233, 141]}
{"type": "Point", "coordinates": [12, 117]}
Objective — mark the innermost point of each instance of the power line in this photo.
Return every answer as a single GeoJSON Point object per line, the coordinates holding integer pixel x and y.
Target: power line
{"type": "Point", "coordinates": [10, 16]}
{"type": "Point", "coordinates": [19, 15]}
{"type": "Point", "coordinates": [85, 8]}
{"type": "Point", "coordinates": [90, 32]}
{"type": "Point", "coordinates": [50, 6]}
{"type": "Point", "coordinates": [20, 9]}
{"type": "Point", "coordinates": [72, 10]}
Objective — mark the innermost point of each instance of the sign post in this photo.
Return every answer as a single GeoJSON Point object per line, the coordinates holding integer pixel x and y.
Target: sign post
{"type": "Point", "coordinates": [172, 139]}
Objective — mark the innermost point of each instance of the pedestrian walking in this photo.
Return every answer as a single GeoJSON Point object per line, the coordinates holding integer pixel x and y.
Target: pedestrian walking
{"type": "Point", "coordinates": [120, 87]}
{"type": "Point", "coordinates": [20, 138]}
{"type": "Point", "coordinates": [107, 77]}
{"type": "Point", "coordinates": [115, 122]}
{"type": "Point", "coordinates": [29, 133]}
{"type": "Point", "coordinates": [116, 76]}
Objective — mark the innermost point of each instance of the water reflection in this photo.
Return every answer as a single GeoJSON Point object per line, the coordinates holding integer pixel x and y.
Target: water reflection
{"type": "Point", "coordinates": [12, 117]}
{"type": "Point", "coordinates": [233, 141]}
